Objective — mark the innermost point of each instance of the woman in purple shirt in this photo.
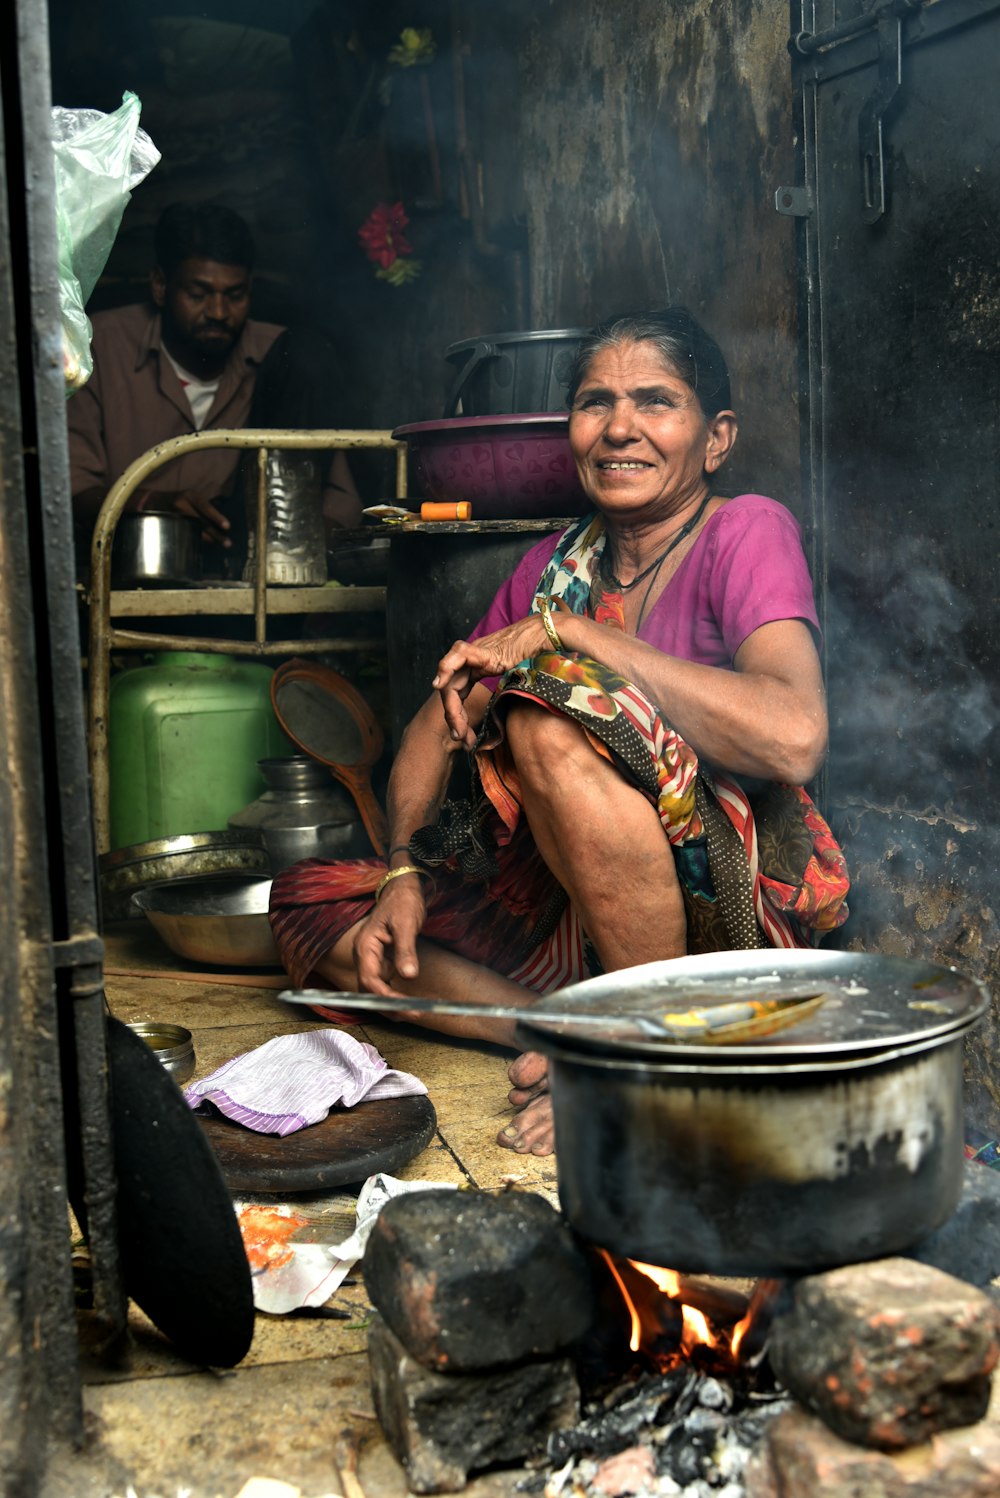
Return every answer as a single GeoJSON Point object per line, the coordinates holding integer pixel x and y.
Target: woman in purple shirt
{"type": "Point", "coordinates": [624, 674]}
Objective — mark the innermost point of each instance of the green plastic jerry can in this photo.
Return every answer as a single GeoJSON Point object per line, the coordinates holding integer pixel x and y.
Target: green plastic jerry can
{"type": "Point", "coordinates": [186, 733]}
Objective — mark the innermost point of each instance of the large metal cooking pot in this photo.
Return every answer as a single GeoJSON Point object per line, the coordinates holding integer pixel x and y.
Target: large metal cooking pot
{"type": "Point", "coordinates": [831, 1142]}
{"type": "Point", "coordinates": [499, 373]}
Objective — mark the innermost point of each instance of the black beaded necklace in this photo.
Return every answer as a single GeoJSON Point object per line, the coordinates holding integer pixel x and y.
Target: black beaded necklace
{"type": "Point", "coordinates": [657, 562]}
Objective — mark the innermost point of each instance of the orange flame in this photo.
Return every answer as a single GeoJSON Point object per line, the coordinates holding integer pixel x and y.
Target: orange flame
{"type": "Point", "coordinates": [697, 1330]}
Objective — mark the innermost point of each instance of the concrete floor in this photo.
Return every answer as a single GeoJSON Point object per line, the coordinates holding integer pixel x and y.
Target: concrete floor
{"type": "Point", "coordinates": [298, 1408]}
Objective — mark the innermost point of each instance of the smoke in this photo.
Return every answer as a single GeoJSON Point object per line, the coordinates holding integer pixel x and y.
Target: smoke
{"type": "Point", "coordinates": [914, 714]}
{"type": "Point", "coordinates": [914, 718]}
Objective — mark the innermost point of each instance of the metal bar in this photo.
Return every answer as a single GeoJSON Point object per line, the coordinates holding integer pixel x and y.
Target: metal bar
{"type": "Point", "coordinates": [135, 640]}
{"type": "Point", "coordinates": [260, 552]}
{"type": "Point", "coordinates": [806, 43]}
{"type": "Point", "coordinates": [39, 1379]}
{"type": "Point", "coordinates": [831, 53]}
{"type": "Point", "coordinates": [812, 387]}
{"type": "Point", "coordinates": [871, 121]}
{"type": "Point", "coordinates": [72, 868]}
{"type": "Point", "coordinates": [334, 598]}
{"type": "Point", "coordinates": [401, 479]}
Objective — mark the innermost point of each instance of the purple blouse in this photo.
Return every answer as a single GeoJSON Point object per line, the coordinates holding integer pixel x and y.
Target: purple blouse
{"type": "Point", "coordinates": [746, 568]}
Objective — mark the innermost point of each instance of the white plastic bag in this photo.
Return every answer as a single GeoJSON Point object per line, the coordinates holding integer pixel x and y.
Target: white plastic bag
{"type": "Point", "coordinates": [99, 159]}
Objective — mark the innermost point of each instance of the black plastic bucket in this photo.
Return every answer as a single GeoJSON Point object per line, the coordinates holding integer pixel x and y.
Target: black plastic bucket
{"type": "Point", "coordinates": [500, 374]}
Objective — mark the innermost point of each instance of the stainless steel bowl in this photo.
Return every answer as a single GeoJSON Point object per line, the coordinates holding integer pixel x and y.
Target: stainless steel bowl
{"type": "Point", "coordinates": [172, 1045]}
{"type": "Point", "coordinates": [157, 549]}
{"type": "Point", "coordinates": [221, 922]}
{"type": "Point", "coordinates": [190, 855]}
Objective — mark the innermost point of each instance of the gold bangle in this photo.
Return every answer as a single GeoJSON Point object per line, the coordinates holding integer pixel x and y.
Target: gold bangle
{"type": "Point", "coordinates": [545, 613]}
{"type": "Point", "coordinates": [404, 868]}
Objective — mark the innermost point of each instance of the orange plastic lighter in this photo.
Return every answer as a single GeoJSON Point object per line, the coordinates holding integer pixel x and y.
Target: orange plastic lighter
{"type": "Point", "coordinates": [461, 509]}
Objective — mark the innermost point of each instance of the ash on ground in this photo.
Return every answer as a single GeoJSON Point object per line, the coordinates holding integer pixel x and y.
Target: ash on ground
{"type": "Point", "coordinates": [681, 1434]}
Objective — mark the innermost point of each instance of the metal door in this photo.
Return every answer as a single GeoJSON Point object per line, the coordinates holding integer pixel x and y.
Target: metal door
{"type": "Point", "coordinates": [899, 208]}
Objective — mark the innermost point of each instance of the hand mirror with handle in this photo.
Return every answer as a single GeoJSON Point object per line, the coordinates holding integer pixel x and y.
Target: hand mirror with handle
{"type": "Point", "coordinates": [330, 721]}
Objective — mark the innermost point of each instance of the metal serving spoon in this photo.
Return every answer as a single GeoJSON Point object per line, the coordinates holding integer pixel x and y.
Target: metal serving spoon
{"type": "Point", "coordinates": [725, 1022]}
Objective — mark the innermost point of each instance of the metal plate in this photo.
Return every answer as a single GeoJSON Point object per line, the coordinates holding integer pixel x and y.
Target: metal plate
{"type": "Point", "coordinates": [872, 1003]}
{"type": "Point", "coordinates": [192, 855]}
{"type": "Point", "coordinates": [183, 1259]}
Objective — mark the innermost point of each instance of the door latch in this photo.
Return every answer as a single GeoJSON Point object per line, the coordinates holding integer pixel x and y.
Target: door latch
{"type": "Point", "coordinates": [793, 202]}
{"type": "Point", "coordinates": [871, 120]}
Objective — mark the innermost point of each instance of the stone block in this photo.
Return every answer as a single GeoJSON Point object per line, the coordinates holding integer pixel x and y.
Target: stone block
{"type": "Point", "coordinates": [801, 1458]}
{"type": "Point", "coordinates": [888, 1352]}
{"type": "Point", "coordinates": [442, 1426]}
{"type": "Point", "coordinates": [470, 1281]}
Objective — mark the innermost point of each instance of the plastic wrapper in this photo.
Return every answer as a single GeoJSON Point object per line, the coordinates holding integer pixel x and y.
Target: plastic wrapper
{"type": "Point", "coordinates": [99, 160]}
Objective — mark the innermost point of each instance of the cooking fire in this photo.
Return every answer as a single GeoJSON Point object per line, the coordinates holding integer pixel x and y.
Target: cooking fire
{"type": "Point", "coordinates": [715, 1328]}
{"type": "Point", "coordinates": [686, 1412]}
{"type": "Point", "coordinates": [503, 1340]}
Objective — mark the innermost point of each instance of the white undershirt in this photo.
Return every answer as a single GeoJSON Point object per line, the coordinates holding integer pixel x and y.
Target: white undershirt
{"type": "Point", "coordinates": [200, 393]}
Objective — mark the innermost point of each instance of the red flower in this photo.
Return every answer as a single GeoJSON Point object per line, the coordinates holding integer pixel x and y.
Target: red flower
{"type": "Point", "coordinates": [382, 234]}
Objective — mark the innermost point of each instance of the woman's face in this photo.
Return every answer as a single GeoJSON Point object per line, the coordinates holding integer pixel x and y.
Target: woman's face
{"type": "Point", "coordinates": [641, 441]}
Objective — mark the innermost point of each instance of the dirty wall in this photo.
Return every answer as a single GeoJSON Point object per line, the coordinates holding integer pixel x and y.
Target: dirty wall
{"type": "Point", "coordinates": [903, 306]}
{"type": "Point", "coordinates": [653, 138]}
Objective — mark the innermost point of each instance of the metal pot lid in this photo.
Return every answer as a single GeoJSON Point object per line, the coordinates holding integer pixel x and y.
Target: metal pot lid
{"type": "Point", "coordinates": [869, 1003]}
{"type": "Point", "coordinates": [530, 335]}
{"type": "Point", "coordinates": [449, 426]}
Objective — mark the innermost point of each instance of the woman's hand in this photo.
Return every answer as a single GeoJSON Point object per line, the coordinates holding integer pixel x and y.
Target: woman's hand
{"type": "Point", "coordinates": [385, 948]}
{"type": "Point", "coordinates": [469, 660]}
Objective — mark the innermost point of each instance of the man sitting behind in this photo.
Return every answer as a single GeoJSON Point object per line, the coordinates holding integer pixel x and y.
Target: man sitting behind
{"type": "Point", "coordinates": [188, 362]}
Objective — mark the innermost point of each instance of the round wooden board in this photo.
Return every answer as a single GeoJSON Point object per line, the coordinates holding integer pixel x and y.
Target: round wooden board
{"type": "Point", "coordinates": [348, 1145]}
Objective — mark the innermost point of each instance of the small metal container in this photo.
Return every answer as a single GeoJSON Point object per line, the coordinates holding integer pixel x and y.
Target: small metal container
{"type": "Point", "coordinates": [172, 1045]}
{"type": "Point", "coordinates": [154, 549]}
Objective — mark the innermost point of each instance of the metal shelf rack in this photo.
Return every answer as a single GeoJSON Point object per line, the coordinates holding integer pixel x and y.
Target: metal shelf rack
{"type": "Point", "coordinates": [250, 599]}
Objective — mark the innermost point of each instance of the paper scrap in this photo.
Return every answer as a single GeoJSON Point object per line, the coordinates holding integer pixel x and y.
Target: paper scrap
{"type": "Point", "coordinates": [297, 1251]}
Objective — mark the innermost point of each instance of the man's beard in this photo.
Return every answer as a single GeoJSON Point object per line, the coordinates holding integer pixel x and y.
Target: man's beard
{"type": "Point", "coordinates": [197, 353]}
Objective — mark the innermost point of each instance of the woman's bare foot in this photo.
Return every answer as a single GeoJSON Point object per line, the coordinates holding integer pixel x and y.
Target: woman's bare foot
{"type": "Point", "coordinates": [531, 1131]}
{"type": "Point", "coordinates": [530, 1076]}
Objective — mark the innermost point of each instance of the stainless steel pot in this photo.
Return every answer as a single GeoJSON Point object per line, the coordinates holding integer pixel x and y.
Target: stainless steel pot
{"type": "Point", "coordinates": [303, 813]}
{"type": "Point", "coordinates": [813, 1155]}
{"type": "Point", "coordinates": [162, 549]}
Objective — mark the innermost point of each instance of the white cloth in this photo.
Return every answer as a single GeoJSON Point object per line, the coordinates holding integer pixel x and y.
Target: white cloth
{"type": "Point", "coordinates": [294, 1080]}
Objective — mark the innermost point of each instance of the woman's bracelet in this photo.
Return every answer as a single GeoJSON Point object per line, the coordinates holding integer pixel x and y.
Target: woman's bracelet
{"type": "Point", "coordinates": [405, 868]}
{"type": "Point", "coordinates": [545, 613]}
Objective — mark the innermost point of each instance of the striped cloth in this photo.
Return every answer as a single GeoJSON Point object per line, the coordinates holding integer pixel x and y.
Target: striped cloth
{"type": "Point", "coordinates": [294, 1080]}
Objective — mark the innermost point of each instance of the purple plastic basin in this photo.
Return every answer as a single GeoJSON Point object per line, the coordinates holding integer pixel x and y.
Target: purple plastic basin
{"type": "Point", "coordinates": [516, 467]}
